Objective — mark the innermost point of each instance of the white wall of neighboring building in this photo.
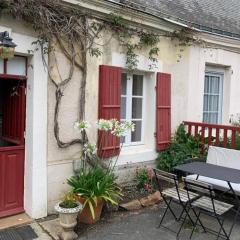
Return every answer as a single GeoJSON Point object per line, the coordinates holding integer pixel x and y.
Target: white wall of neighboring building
{"type": "Point", "coordinates": [219, 59]}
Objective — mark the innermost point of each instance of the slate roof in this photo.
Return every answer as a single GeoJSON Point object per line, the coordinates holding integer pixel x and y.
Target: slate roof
{"type": "Point", "coordinates": [216, 16]}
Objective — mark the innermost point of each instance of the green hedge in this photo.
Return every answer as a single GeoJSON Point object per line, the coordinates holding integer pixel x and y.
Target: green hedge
{"type": "Point", "coordinates": [182, 147]}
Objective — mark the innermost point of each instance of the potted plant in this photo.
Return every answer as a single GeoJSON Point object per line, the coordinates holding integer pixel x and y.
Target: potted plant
{"type": "Point", "coordinates": [68, 210]}
{"type": "Point", "coordinates": [93, 187]}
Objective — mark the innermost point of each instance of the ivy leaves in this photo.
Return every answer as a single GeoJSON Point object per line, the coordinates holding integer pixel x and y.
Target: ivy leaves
{"type": "Point", "coordinates": [133, 40]}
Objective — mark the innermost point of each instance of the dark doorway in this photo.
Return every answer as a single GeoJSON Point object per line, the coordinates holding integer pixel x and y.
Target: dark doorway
{"type": "Point", "coordinates": [12, 146]}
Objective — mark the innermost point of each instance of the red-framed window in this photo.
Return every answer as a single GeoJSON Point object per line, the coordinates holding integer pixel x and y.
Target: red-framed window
{"type": "Point", "coordinates": [110, 94]}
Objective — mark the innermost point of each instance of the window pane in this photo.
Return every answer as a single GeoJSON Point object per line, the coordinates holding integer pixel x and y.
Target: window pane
{"type": "Point", "coordinates": [137, 89]}
{"type": "Point", "coordinates": [124, 83]}
{"type": "Point", "coordinates": [205, 117]}
{"type": "Point", "coordinates": [213, 103]}
{"type": "Point", "coordinates": [136, 108]}
{"type": "Point", "coordinates": [205, 103]}
{"type": "Point", "coordinates": [137, 134]}
{"type": "Point", "coordinates": [16, 66]}
{"type": "Point", "coordinates": [123, 107]}
{"type": "Point", "coordinates": [1, 66]}
{"type": "Point", "coordinates": [210, 118]}
{"type": "Point", "coordinates": [213, 118]}
{"type": "Point", "coordinates": [216, 85]}
{"type": "Point", "coordinates": [206, 84]}
{"type": "Point", "coordinates": [210, 87]}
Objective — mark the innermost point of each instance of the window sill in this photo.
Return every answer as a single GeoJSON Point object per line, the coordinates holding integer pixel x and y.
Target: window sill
{"type": "Point", "coordinates": [136, 154]}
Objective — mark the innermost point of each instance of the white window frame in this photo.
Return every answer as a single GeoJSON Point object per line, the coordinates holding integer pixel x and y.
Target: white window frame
{"type": "Point", "coordinates": [129, 97]}
{"type": "Point", "coordinates": [219, 74]}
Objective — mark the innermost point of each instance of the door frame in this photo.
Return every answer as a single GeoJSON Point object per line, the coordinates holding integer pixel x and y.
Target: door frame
{"type": "Point", "coordinates": [20, 145]}
{"type": "Point", "coordinates": [36, 137]}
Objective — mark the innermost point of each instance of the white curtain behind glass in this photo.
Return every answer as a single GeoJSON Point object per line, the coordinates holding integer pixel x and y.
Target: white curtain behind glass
{"type": "Point", "coordinates": [212, 98]}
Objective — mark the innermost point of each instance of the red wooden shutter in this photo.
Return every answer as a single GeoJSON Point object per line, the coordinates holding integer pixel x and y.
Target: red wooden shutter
{"type": "Point", "coordinates": [163, 114]}
{"type": "Point", "coordinates": [14, 113]}
{"type": "Point", "coordinates": [109, 107]}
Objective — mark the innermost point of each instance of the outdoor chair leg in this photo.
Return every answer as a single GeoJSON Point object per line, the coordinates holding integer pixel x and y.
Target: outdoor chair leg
{"type": "Point", "coordinates": [180, 216]}
{"type": "Point", "coordinates": [165, 212]}
{"type": "Point", "coordinates": [199, 220]}
{"type": "Point", "coordinates": [222, 228]}
{"type": "Point", "coordinates": [180, 229]}
{"type": "Point", "coordinates": [187, 212]}
{"type": "Point", "coordinates": [169, 207]}
{"type": "Point", "coordinates": [195, 224]}
{"type": "Point", "coordinates": [234, 221]}
{"type": "Point", "coordinates": [238, 210]}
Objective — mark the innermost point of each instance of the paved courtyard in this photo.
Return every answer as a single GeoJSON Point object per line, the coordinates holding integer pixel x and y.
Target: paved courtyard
{"type": "Point", "coordinates": [139, 225]}
{"type": "Point", "coordinates": [142, 226]}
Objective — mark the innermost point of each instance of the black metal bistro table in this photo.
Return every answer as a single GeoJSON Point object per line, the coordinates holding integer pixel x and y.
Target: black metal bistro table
{"type": "Point", "coordinates": [229, 175]}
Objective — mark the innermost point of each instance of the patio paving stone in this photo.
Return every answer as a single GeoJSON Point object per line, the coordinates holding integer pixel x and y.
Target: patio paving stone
{"type": "Point", "coordinates": [141, 225]}
{"type": "Point", "coordinates": [137, 225]}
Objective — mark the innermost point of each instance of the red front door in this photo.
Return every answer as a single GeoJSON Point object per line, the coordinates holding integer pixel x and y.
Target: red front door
{"type": "Point", "coordinates": [12, 125]}
{"type": "Point", "coordinates": [11, 180]}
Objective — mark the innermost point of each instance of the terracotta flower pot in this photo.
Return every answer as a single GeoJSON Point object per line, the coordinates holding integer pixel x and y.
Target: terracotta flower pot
{"type": "Point", "coordinates": [85, 216]}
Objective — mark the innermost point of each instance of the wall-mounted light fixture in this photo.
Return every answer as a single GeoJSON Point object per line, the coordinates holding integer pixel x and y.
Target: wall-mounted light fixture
{"type": "Point", "coordinates": [7, 46]}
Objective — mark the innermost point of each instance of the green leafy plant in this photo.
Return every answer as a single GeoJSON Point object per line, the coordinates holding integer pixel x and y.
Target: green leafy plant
{"type": "Point", "coordinates": [69, 201]}
{"type": "Point", "coordinates": [94, 183]}
{"type": "Point", "coordinates": [235, 121]}
{"type": "Point", "coordinates": [237, 146]}
{"type": "Point", "coordinates": [182, 147]}
{"type": "Point", "coordinates": [144, 178]}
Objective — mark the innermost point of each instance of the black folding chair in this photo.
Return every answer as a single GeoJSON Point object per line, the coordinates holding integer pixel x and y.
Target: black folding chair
{"type": "Point", "coordinates": [173, 194]}
{"type": "Point", "coordinates": [207, 204]}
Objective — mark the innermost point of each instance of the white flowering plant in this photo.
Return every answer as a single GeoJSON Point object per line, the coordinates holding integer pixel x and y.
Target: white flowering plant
{"type": "Point", "coordinates": [235, 119]}
{"type": "Point", "coordinates": [82, 126]}
{"type": "Point", "coordinates": [95, 178]}
{"type": "Point", "coordinates": [106, 127]}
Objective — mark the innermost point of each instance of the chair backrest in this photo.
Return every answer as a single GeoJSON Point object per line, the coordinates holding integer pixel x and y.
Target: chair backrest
{"type": "Point", "coordinates": [224, 157]}
{"type": "Point", "coordinates": [162, 176]}
{"type": "Point", "coordinates": [199, 186]}
{"type": "Point", "coordinates": [202, 188]}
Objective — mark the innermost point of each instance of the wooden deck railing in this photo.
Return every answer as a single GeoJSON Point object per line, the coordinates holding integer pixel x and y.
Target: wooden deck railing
{"type": "Point", "coordinates": [214, 134]}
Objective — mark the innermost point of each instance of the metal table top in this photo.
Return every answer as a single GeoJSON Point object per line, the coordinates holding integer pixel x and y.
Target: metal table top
{"type": "Point", "coordinates": [212, 171]}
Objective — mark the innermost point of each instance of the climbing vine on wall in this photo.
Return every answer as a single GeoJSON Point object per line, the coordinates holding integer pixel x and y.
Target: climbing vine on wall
{"type": "Point", "coordinates": [75, 32]}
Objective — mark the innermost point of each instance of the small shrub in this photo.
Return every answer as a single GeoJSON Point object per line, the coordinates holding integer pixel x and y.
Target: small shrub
{"type": "Point", "coordinates": [235, 121]}
{"type": "Point", "coordinates": [182, 147]}
{"type": "Point", "coordinates": [144, 177]}
{"type": "Point", "coordinates": [229, 142]}
{"type": "Point", "coordinates": [69, 201]}
{"type": "Point", "coordinates": [237, 147]}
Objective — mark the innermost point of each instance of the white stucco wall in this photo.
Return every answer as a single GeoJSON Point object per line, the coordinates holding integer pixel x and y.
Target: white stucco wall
{"type": "Point", "coordinates": [218, 59]}
{"type": "Point", "coordinates": [60, 160]}
{"type": "Point", "coordinates": [187, 102]}
{"type": "Point", "coordinates": [35, 179]}
{"type": "Point", "coordinates": [47, 166]}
